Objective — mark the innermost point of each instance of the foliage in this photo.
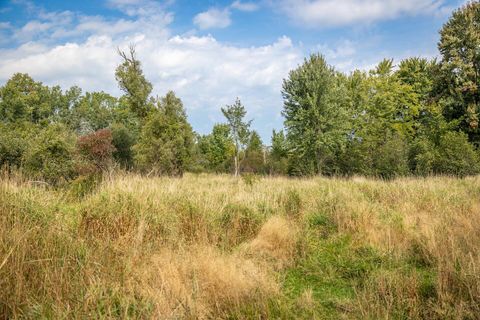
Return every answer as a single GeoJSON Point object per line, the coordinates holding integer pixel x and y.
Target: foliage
{"type": "Point", "coordinates": [131, 80]}
{"type": "Point", "coordinates": [423, 156]}
{"type": "Point", "coordinates": [92, 112]}
{"type": "Point", "coordinates": [460, 68]}
{"type": "Point", "coordinates": [250, 179]}
{"type": "Point", "coordinates": [278, 155]}
{"type": "Point", "coordinates": [12, 146]}
{"type": "Point", "coordinates": [23, 99]}
{"type": "Point", "coordinates": [165, 142]}
{"type": "Point", "coordinates": [456, 155]}
{"type": "Point", "coordinates": [51, 155]}
{"type": "Point", "coordinates": [315, 115]}
{"type": "Point", "coordinates": [218, 148]}
{"type": "Point", "coordinates": [123, 141]}
{"type": "Point", "coordinates": [97, 148]}
{"type": "Point", "coordinates": [239, 130]}
{"type": "Point", "coordinates": [254, 155]}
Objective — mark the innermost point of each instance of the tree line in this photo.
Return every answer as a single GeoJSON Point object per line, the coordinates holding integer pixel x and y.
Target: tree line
{"type": "Point", "coordinates": [420, 117]}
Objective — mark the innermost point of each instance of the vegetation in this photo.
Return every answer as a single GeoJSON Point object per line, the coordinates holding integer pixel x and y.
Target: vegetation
{"type": "Point", "coordinates": [380, 223]}
{"type": "Point", "coordinates": [419, 117]}
{"type": "Point", "coordinates": [212, 246]}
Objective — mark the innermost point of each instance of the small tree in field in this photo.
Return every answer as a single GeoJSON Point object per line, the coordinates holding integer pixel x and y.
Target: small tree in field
{"type": "Point", "coordinates": [239, 129]}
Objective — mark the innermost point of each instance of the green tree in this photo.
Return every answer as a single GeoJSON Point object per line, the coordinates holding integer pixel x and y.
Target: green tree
{"type": "Point", "coordinates": [166, 140]}
{"type": "Point", "coordinates": [50, 155]}
{"type": "Point", "coordinates": [460, 68]}
{"type": "Point", "coordinates": [239, 130]}
{"type": "Point", "coordinates": [315, 114]}
{"type": "Point", "coordinates": [278, 153]}
{"type": "Point", "coordinates": [92, 112]}
{"type": "Point", "coordinates": [131, 80]}
{"type": "Point", "coordinates": [384, 112]}
{"type": "Point", "coordinates": [255, 156]}
{"type": "Point", "coordinates": [456, 156]}
{"type": "Point", "coordinates": [23, 99]}
{"type": "Point", "coordinates": [13, 144]}
{"type": "Point", "coordinates": [218, 148]}
{"type": "Point", "coordinates": [418, 73]}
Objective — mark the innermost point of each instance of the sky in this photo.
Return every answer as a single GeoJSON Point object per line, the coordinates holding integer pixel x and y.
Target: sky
{"type": "Point", "coordinates": [210, 52]}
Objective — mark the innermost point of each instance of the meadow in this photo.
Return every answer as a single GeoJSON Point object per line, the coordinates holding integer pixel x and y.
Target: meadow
{"type": "Point", "coordinates": [214, 246]}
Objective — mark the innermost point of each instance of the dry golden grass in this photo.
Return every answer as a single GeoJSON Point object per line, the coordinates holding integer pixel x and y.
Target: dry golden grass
{"type": "Point", "coordinates": [276, 240]}
{"type": "Point", "coordinates": [208, 246]}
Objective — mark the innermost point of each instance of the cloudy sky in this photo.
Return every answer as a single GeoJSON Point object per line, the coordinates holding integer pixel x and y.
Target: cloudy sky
{"type": "Point", "coordinates": [210, 52]}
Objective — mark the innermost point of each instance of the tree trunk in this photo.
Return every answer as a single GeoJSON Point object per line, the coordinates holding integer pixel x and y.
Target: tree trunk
{"type": "Point", "coordinates": [236, 165]}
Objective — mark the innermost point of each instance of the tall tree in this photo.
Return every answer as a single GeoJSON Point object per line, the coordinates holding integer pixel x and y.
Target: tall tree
{"type": "Point", "coordinates": [460, 64]}
{"type": "Point", "coordinates": [131, 80]}
{"type": "Point", "coordinates": [315, 115]}
{"type": "Point", "coordinates": [166, 139]}
{"type": "Point", "coordinates": [23, 99]}
{"type": "Point", "coordinates": [239, 130]}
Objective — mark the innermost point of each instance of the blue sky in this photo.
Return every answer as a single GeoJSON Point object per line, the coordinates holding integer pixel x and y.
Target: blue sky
{"type": "Point", "coordinates": [209, 52]}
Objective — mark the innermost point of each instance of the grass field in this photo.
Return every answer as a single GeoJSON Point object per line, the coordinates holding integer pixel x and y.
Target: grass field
{"type": "Point", "coordinates": [207, 246]}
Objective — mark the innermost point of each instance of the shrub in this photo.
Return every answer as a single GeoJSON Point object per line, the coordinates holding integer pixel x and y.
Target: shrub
{"type": "Point", "coordinates": [123, 142]}
{"type": "Point", "coordinates": [12, 147]}
{"type": "Point", "coordinates": [50, 155]}
{"type": "Point", "coordinates": [391, 157]}
{"type": "Point", "coordinates": [97, 148]}
{"type": "Point", "coordinates": [456, 155]}
{"type": "Point", "coordinates": [422, 157]}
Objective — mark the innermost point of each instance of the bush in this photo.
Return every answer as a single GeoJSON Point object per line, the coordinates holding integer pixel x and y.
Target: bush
{"type": "Point", "coordinates": [97, 148]}
{"type": "Point", "coordinates": [50, 155]}
{"type": "Point", "coordinates": [391, 157]}
{"type": "Point", "coordinates": [12, 147]}
{"type": "Point", "coordinates": [123, 142]}
{"type": "Point", "coordinates": [456, 155]}
{"type": "Point", "coordinates": [423, 155]}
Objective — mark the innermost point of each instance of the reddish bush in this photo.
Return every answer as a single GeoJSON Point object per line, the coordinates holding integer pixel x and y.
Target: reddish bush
{"type": "Point", "coordinates": [97, 148]}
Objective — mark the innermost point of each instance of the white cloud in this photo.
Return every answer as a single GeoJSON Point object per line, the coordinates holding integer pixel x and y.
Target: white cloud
{"type": "Point", "coordinates": [5, 25]}
{"type": "Point", "coordinates": [244, 6]}
{"type": "Point", "coordinates": [204, 72]}
{"type": "Point", "coordinates": [325, 13]}
{"type": "Point", "coordinates": [213, 18]}
{"type": "Point", "coordinates": [139, 7]}
{"type": "Point", "coordinates": [71, 49]}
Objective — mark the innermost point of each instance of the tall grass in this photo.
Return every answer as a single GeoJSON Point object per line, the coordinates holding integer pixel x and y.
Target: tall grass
{"type": "Point", "coordinates": [207, 246]}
